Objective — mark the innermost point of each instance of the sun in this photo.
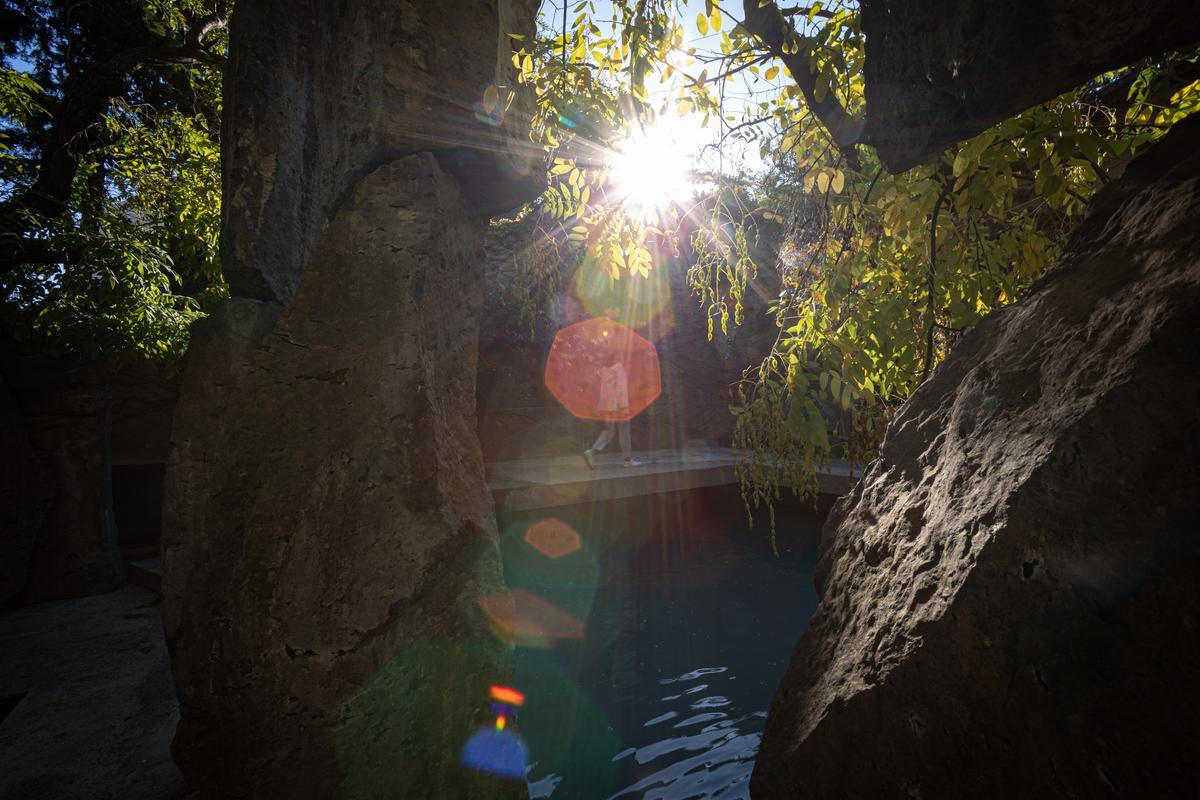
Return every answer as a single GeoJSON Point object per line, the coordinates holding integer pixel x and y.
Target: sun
{"type": "Point", "coordinates": [652, 170]}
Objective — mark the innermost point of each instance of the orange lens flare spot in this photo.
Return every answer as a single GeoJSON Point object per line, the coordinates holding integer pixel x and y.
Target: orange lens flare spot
{"type": "Point", "coordinates": [553, 538]}
{"type": "Point", "coordinates": [599, 369]}
{"type": "Point", "coordinates": [500, 723]}
{"type": "Point", "coordinates": [503, 694]}
{"type": "Point", "coordinates": [524, 618]}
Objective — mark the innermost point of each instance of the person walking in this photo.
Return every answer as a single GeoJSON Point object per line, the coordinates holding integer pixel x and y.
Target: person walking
{"type": "Point", "coordinates": [613, 401]}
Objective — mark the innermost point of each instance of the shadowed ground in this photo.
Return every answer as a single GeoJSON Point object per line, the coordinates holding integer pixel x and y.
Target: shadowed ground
{"type": "Point", "coordinates": [89, 699]}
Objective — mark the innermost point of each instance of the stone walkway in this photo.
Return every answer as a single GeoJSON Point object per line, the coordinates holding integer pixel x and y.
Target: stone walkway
{"type": "Point", "coordinates": [550, 482]}
{"type": "Point", "coordinates": [87, 705]}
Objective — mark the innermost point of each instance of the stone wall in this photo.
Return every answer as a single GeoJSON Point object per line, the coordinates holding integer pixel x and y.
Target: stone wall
{"type": "Point", "coordinates": [25, 495]}
{"type": "Point", "coordinates": [62, 411]}
{"type": "Point", "coordinates": [68, 427]}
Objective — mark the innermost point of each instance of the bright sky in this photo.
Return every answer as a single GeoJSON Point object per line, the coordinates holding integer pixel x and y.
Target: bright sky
{"type": "Point", "coordinates": [686, 133]}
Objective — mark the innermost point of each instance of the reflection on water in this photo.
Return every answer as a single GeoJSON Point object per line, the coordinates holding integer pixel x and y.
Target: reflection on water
{"type": "Point", "coordinates": [689, 622]}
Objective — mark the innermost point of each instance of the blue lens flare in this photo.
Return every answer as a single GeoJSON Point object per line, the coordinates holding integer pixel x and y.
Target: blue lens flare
{"type": "Point", "coordinates": [497, 752]}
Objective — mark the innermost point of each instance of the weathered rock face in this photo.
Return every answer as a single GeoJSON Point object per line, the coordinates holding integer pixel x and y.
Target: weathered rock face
{"type": "Point", "coordinates": [66, 473]}
{"type": "Point", "coordinates": [319, 94]}
{"type": "Point", "coordinates": [327, 530]}
{"type": "Point", "coordinates": [1008, 603]}
{"type": "Point", "coordinates": [938, 71]}
{"type": "Point", "coordinates": [330, 528]}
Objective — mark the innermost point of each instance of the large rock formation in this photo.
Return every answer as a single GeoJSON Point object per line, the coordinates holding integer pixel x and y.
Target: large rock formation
{"type": "Point", "coordinates": [318, 94]}
{"type": "Point", "coordinates": [938, 71]}
{"type": "Point", "coordinates": [327, 529]}
{"type": "Point", "coordinates": [1008, 605]}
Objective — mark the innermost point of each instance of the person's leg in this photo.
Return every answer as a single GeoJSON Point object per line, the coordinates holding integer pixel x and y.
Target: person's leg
{"type": "Point", "coordinates": [604, 438]}
{"type": "Point", "coordinates": [626, 441]}
{"type": "Point", "coordinates": [601, 442]}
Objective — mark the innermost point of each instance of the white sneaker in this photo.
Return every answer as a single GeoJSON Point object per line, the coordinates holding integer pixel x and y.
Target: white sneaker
{"type": "Point", "coordinates": [634, 462]}
{"type": "Point", "coordinates": [589, 458]}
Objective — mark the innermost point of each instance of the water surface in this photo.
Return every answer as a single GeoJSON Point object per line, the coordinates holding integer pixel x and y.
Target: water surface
{"type": "Point", "coordinates": [688, 620]}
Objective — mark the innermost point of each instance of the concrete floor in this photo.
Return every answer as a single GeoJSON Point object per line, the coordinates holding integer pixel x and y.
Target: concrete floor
{"type": "Point", "coordinates": [95, 706]}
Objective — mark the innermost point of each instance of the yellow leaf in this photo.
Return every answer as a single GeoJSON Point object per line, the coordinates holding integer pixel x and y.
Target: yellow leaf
{"type": "Point", "coordinates": [820, 89]}
{"type": "Point", "coordinates": [491, 98]}
{"type": "Point", "coordinates": [702, 24]}
{"type": "Point", "coordinates": [715, 18]}
{"type": "Point", "coordinates": [771, 73]}
{"type": "Point", "coordinates": [823, 182]}
{"type": "Point", "coordinates": [839, 181]}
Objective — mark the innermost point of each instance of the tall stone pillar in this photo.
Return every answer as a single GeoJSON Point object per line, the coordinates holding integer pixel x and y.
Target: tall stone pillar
{"type": "Point", "coordinates": [327, 527]}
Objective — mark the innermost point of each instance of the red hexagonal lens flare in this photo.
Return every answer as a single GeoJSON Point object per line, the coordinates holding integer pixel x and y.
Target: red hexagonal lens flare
{"type": "Point", "coordinates": [599, 369]}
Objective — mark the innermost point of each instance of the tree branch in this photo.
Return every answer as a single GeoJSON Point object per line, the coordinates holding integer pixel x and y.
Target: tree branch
{"type": "Point", "coordinates": [85, 100]}
{"type": "Point", "coordinates": [191, 52]}
{"type": "Point", "coordinates": [930, 306]}
{"type": "Point", "coordinates": [767, 24]}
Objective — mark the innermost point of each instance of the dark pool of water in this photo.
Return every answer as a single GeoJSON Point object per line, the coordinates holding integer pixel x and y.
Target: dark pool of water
{"type": "Point", "coordinates": [686, 621]}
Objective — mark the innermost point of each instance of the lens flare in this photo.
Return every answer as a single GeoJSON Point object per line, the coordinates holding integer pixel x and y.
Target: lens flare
{"type": "Point", "coordinates": [553, 538]}
{"type": "Point", "coordinates": [636, 301]}
{"type": "Point", "coordinates": [527, 620]}
{"type": "Point", "coordinates": [503, 694]}
{"type": "Point", "coordinates": [496, 751]}
{"type": "Point", "coordinates": [601, 370]}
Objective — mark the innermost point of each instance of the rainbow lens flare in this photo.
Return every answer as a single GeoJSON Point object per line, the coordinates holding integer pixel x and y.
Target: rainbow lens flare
{"type": "Point", "coordinates": [498, 750]}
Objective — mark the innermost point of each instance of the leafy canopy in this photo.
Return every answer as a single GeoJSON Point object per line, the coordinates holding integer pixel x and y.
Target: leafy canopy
{"type": "Point", "coordinates": [109, 173]}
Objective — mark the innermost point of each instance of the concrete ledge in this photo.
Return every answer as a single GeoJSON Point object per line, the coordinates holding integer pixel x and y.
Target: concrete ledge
{"type": "Point", "coordinates": [551, 482]}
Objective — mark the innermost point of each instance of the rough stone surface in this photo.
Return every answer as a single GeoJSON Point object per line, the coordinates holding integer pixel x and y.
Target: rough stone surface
{"type": "Point", "coordinates": [938, 71]}
{"type": "Point", "coordinates": [66, 410]}
{"type": "Point", "coordinates": [328, 530]}
{"type": "Point", "coordinates": [24, 497]}
{"type": "Point", "coordinates": [1008, 603]}
{"type": "Point", "coordinates": [318, 94]}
